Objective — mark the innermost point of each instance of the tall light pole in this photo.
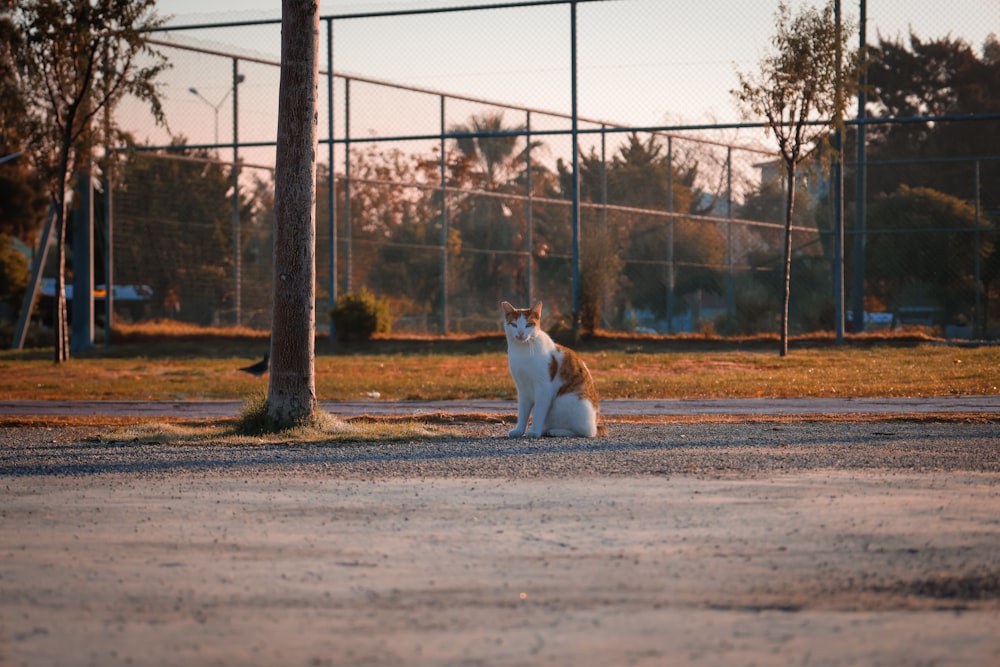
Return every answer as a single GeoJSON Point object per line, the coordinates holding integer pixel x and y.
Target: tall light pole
{"type": "Point", "coordinates": [237, 79]}
{"type": "Point", "coordinates": [215, 107]}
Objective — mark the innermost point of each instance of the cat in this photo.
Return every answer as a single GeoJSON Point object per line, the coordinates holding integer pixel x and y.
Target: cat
{"type": "Point", "coordinates": [552, 381]}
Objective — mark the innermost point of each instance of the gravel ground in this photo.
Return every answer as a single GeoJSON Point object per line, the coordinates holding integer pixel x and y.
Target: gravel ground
{"type": "Point", "coordinates": [755, 543]}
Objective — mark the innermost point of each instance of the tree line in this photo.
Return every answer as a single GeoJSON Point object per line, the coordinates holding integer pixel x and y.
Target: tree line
{"type": "Point", "coordinates": [420, 248]}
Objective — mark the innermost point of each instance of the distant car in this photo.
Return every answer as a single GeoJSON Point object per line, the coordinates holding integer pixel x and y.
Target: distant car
{"type": "Point", "coordinates": [132, 297]}
{"type": "Point", "coordinates": [47, 289]}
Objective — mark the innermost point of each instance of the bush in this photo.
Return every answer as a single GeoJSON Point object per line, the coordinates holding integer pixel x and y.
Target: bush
{"type": "Point", "coordinates": [13, 274]}
{"type": "Point", "coordinates": [358, 316]}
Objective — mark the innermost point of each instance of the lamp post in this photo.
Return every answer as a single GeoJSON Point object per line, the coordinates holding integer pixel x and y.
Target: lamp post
{"type": "Point", "coordinates": [215, 107]}
{"type": "Point", "coordinates": [237, 79]}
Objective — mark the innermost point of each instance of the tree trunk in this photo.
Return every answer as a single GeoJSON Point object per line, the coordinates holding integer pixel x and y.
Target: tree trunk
{"type": "Point", "coordinates": [59, 322]}
{"type": "Point", "coordinates": [291, 395]}
{"type": "Point", "coordinates": [786, 279]}
{"type": "Point", "coordinates": [60, 318]}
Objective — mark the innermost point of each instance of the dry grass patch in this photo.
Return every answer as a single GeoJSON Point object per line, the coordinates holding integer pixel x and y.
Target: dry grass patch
{"type": "Point", "coordinates": [324, 431]}
{"type": "Point", "coordinates": [252, 428]}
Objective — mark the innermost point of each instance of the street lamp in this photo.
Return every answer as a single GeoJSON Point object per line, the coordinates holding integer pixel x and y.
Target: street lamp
{"type": "Point", "coordinates": [237, 79]}
{"type": "Point", "coordinates": [216, 107]}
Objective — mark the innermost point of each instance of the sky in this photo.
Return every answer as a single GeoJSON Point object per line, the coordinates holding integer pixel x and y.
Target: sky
{"type": "Point", "coordinates": [640, 62]}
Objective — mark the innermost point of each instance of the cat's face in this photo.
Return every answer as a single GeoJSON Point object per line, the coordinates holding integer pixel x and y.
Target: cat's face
{"type": "Point", "coordinates": [521, 324]}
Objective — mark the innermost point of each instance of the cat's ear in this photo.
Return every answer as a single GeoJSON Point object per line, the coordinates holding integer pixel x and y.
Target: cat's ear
{"type": "Point", "coordinates": [537, 310]}
{"type": "Point", "coordinates": [507, 308]}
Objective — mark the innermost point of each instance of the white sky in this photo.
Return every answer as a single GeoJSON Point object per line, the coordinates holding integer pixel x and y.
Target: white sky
{"type": "Point", "coordinates": [657, 40]}
{"type": "Point", "coordinates": [640, 62]}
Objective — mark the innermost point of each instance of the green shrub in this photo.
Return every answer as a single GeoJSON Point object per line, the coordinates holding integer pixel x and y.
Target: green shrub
{"type": "Point", "coordinates": [13, 274]}
{"type": "Point", "coordinates": [358, 316]}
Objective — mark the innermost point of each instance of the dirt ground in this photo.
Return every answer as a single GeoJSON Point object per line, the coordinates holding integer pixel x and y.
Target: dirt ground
{"type": "Point", "coordinates": [664, 544]}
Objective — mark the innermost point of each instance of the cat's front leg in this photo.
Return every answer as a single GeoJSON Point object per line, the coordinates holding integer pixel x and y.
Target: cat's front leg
{"type": "Point", "coordinates": [543, 401]}
{"type": "Point", "coordinates": [523, 411]}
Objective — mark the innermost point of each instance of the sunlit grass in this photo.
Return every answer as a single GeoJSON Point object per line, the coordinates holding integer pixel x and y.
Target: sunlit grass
{"type": "Point", "coordinates": [321, 429]}
{"type": "Point", "coordinates": [925, 370]}
{"type": "Point", "coordinates": [192, 371]}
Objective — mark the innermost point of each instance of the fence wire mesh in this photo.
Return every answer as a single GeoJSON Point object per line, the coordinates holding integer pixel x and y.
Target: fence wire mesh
{"type": "Point", "coordinates": [451, 154]}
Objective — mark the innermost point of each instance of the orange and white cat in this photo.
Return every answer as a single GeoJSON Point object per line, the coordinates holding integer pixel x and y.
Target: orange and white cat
{"type": "Point", "coordinates": [554, 386]}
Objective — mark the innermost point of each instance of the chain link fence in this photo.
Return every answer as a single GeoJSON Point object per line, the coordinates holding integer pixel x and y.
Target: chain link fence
{"type": "Point", "coordinates": [447, 140]}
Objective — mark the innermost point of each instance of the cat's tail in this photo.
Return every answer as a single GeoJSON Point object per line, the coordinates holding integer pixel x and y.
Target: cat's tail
{"type": "Point", "coordinates": [602, 430]}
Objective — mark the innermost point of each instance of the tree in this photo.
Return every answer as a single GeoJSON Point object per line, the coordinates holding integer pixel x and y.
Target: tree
{"type": "Point", "coordinates": [924, 254]}
{"type": "Point", "coordinates": [78, 58]}
{"type": "Point", "coordinates": [800, 91]}
{"type": "Point", "coordinates": [934, 77]}
{"type": "Point", "coordinates": [291, 396]}
{"type": "Point", "coordinates": [637, 177]}
{"type": "Point", "coordinates": [182, 198]}
{"type": "Point", "coordinates": [13, 274]}
{"type": "Point", "coordinates": [490, 233]}
{"type": "Point", "coordinates": [406, 236]}
{"type": "Point", "coordinates": [23, 200]}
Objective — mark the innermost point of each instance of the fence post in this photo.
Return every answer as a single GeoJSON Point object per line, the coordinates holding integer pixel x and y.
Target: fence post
{"type": "Point", "coordinates": [669, 305]}
{"type": "Point", "coordinates": [604, 176]}
{"type": "Point", "coordinates": [82, 330]}
{"type": "Point", "coordinates": [858, 279]}
{"type": "Point", "coordinates": [978, 323]}
{"type": "Point", "coordinates": [575, 222]}
{"type": "Point", "coordinates": [331, 183]}
{"type": "Point", "coordinates": [838, 189]}
{"type": "Point", "coordinates": [34, 282]}
{"type": "Point", "coordinates": [528, 214]}
{"type": "Point", "coordinates": [347, 185]}
{"type": "Point", "coordinates": [838, 234]}
{"type": "Point", "coordinates": [237, 287]}
{"type": "Point", "coordinates": [730, 278]}
{"type": "Point", "coordinates": [445, 232]}
{"type": "Point", "coordinates": [109, 258]}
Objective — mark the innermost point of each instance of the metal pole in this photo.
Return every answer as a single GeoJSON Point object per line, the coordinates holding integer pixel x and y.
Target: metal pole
{"type": "Point", "coordinates": [858, 280]}
{"type": "Point", "coordinates": [347, 185]}
{"type": "Point", "coordinates": [237, 306]}
{"type": "Point", "coordinates": [730, 278]}
{"type": "Point", "coordinates": [109, 245]}
{"type": "Point", "coordinates": [34, 282]}
{"type": "Point", "coordinates": [528, 215]}
{"type": "Point", "coordinates": [575, 221]}
{"type": "Point", "coordinates": [838, 236]}
{"type": "Point", "coordinates": [445, 232]}
{"type": "Point", "coordinates": [82, 219]}
{"type": "Point", "coordinates": [109, 260]}
{"type": "Point", "coordinates": [604, 177]}
{"type": "Point", "coordinates": [838, 189]}
{"type": "Point", "coordinates": [978, 323]}
{"type": "Point", "coordinates": [604, 196]}
{"type": "Point", "coordinates": [331, 184]}
{"type": "Point", "coordinates": [669, 305]}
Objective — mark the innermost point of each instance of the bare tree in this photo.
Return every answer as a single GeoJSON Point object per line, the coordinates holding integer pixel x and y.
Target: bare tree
{"type": "Point", "coordinates": [291, 397]}
{"type": "Point", "coordinates": [799, 90]}
{"type": "Point", "coordinates": [80, 57]}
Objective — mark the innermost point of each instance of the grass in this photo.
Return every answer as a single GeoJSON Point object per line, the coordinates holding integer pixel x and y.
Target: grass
{"type": "Point", "coordinates": [325, 430]}
{"type": "Point", "coordinates": [171, 365]}
{"type": "Point", "coordinates": [199, 369]}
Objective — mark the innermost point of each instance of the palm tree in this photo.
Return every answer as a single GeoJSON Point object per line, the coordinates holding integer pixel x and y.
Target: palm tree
{"type": "Point", "coordinates": [491, 232]}
{"type": "Point", "coordinates": [490, 145]}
